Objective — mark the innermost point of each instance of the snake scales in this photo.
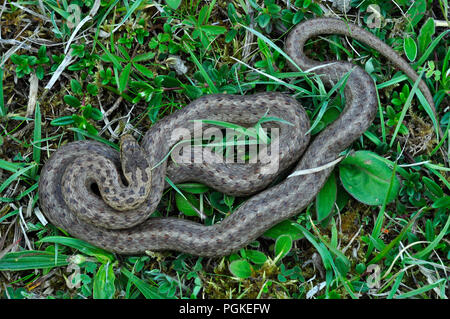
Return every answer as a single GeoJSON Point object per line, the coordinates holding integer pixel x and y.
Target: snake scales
{"type": "Point", "coordinates": [67, 198]}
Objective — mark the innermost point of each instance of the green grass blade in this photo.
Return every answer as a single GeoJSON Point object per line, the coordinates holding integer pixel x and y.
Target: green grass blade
{"type": "Point", "coordinates": [394, 80]}
{"type": "Point", "coordinates": [31, 260]}
{"type": "Point", "coordinates": [380, 218]}
{"type": "Point", "coordinates": [36, 138]}
{"type": "Point", "coordinates": [130, 11]}
{"type": "Point", "coordinates": [399, 237]}
{"type": "Point", "coordinates": [21, 195]}
{"type": "Point", "coordinates": [203, 72]}
{"type": "Point", "coordinates": [430, 49]}
{"type": "Point", "coordinates": [14, 176]}
{"type": "Point", "coordinates": [327, 259]}
{"type": "Point", "coordinates": [421, 290]}
{"type": "Point", "coordinates": [406, 107]}
{"type": "Point", "coordinates": [273, 45]}
{"type": "Point", "coordinates": [319, 116]}
{"type": "Point", "coordinates": [397, 282]}
{"type": "Point", "coordinates": [3, 110]}
{"type": "Point", "coordinates": [435, 242]}
{"type": "Point", "coordinates": [10, 214]}
{"type": "Point", "coordinates": [441, 142]}
{"type": "Point", "coordinates": [84, 247]}
{"type": "Point", "coordinates": [149, 291]}
{"type": "Point", "coordinates": [12, 167]}
{"type": "Point", "coordinates": [439, 175]}
{"type": "Point", "coordinates": [95, 137]}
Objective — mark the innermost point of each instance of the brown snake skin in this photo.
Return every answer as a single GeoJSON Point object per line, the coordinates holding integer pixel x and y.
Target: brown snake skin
{"type": "Point", "coordinates": [66, 177]}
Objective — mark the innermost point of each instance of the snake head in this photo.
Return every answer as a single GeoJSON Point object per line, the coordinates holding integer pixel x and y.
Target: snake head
{"type": "Point", "coordinates": [136, 169]}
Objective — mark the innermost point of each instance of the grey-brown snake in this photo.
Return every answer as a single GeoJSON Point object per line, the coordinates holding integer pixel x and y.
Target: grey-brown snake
{"type": "Point", "coordinates": [67, 199]}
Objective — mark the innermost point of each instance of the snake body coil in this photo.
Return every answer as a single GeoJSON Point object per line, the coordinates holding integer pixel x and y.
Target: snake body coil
{"type": "Point", "coordinates": [119, 220]}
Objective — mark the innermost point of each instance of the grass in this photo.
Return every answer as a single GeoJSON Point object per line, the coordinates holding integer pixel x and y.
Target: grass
{"type": "Point", "coordinates": [125, 53]}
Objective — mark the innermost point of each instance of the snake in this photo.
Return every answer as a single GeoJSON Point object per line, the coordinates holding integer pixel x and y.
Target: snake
{"type": "Point", "coordinates": [106, 197]}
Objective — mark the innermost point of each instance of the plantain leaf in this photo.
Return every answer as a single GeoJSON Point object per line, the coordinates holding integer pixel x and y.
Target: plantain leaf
{"type": "Point", "coordinates": [367, 178]}
{"type": "Point", "coordinates": [240, 268]}
{"type": "Point", "coordinates": [283, 245]}
{"type": "Point", "coordinates": [187, 204]}
{"type": "Point", "coordinates": [410, 47]}
{"type": "Point", "coordinates": [425, 36]}
{"type": "Point", "coordinates": [285, 227]}
{"type": "Point", "coordinates": [256, 256]}
{"type": "Point", "coordinates": [193, 188]}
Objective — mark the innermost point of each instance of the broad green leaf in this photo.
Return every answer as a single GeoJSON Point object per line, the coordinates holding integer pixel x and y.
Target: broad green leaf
{"type": "Point", "coordinates": [192, 91]}
{"type": "Point", "coordinates": [104, 287]}
{"type": "Point", "coordinates": [193, 188]}
{"type": "Point", "coordinates": [443, 202]}
{"type": "Point", "coordinates": [410, 48]}
{"type": "Point", "coordinates": [263, 20]}
{"type": "Point", "coordinates": [286, 227]}
{"type": "Point", "coordinates": [240, 268]}
{"type": "Point", "coordinates": [144, 57]}
{"type": "Point", "coordinates": [124, 77]}
{"type": "Point", "coordinates": [75, 86]}
{"type": "Point", "coordinates": [92, 89]}
{"type": "Point", "coordinates": [72, 101]}
{"type": "Point", "coordinates": [416, 12]}
{"type": "Point", "coordinates": [145, 71]}
{"type": "Point", "coordinates": [329, 116]}
{"type": "Point", "coordinates": [273, 8]}
{"type": "Point", "coordinates": [230, 35]}
{"type": "Point", "coordinates": [96, 114]}
{"type": "Point", "coordinates": [256, 256]}
{"type": "Point", "coordinates": [433, 187]}
{"type": "Point", "coordinates": [283, 245]}
{"type": "Point", "coordinates": [425, 35]}
{"type": "Point", "coordinates": [360, 268]}
{"type": "Point", "coordinates": [214, 29]}
{"type": "Point", "coordinates": [429, 230]}
{"type": "Point", "coordinates": [341, 198]}
{"type": "Point", "coordinates": [217, 201]}
{"type": "Point", "coordinates": [185, 204]}
{"type": "Point", "coordinates": [342, 265]}
{"type": "Point", "coordinates": [298, 17]}
{"type": "Point", "coordinates": [326, 198]}
{"type": "Point", "coordinates": [430, 50]}
{"type": "Point", "coordinates": [174, 4]}
{"type": "Point", "coordinates": [367, 178]}
{"type": "Point", "coordinates": [203, 15]}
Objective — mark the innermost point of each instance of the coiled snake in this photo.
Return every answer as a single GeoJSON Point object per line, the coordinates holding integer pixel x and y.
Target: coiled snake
{"type": "Point", "coordinates": [119, 220]}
